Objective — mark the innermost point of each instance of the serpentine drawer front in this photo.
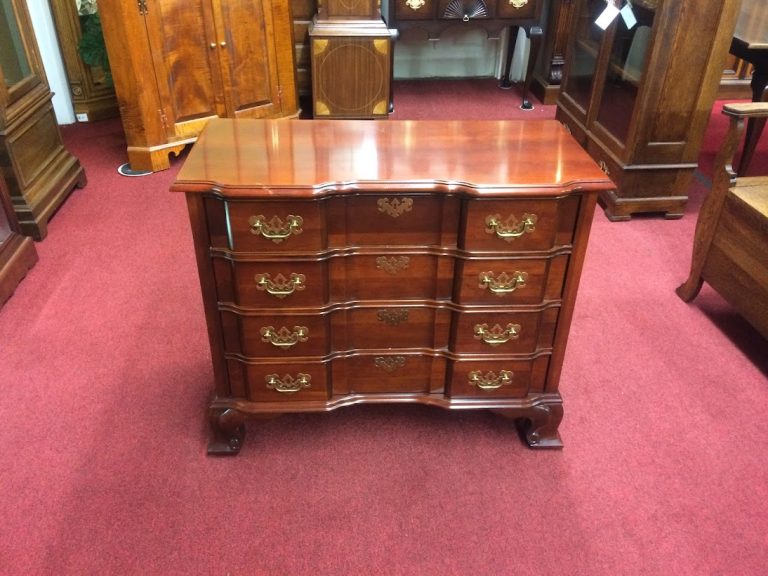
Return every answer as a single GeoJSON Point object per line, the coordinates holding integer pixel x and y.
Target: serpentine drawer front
{"type": "Point", "coordinates": [351, 261]}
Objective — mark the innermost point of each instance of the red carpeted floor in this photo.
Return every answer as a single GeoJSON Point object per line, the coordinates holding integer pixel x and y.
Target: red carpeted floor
{"type": "Point", "coordinates": [105, 370]}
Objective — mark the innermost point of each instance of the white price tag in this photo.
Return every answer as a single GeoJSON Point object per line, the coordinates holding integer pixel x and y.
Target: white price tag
{"type": "Point", "coordinates": [607, 16]}
{"type": "Point", "coordinates": [629, 16]}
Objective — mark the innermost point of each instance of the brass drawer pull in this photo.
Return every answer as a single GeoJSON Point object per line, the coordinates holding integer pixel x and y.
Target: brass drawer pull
{"type": "Point", "coordinates": [389, 363]}
{"type": "Point", "coordinates": [276, 230]}
{"type": "Point", "coordinates": [287, 384]}
{"type": "Point", "coordinates": [284, 338]}
{"type": "Point", "coordinates": [395, 207]}
{"type": "Point", "coordinates": [497, 335]}
{"type": "Point", "coordinates": [504, 284]}
{"type": "Point", "coordinates": [281, 286]}
{"type": "Point", "coordinates": [490, 381]}
{"type": "Point", "coordinates": [415, 4]}
{"type": "Point", "coordinates": [518, 3]}
{"type": "Point", "coordinates": [512, 228]}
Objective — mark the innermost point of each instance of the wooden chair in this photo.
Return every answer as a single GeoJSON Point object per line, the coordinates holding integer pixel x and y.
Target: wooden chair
{"type": "Point", "coordinates": [730, 247]}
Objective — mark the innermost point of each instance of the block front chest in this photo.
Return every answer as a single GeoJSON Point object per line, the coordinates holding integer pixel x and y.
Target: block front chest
{"type": "Point", "coordinates": [322, 290]}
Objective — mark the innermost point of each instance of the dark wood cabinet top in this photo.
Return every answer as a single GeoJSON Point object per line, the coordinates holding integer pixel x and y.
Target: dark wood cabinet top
{"type": "Point", "coordinates": [311, 158]}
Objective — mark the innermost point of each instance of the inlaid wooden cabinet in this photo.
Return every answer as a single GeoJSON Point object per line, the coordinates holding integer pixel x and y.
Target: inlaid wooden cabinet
{"type": "Point", "coordinates": [39, 171]}
{"type": "Point", "coordinates": [354, 261]}
{"type": "Point", "coordinates": [351, 50]}
{"type": "Point", "coordinates": [639, 98]}
{"type": "Point", "coordinates": [178, 63]}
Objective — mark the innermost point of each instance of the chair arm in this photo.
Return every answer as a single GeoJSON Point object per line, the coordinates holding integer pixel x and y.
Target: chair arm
{"type": "Point", "coordinates": [747, 109]}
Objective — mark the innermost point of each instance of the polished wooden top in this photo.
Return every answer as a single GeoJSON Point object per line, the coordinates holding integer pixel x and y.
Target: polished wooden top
{"type": "Point", "coordinates": [752, 26]}
{"type": "Point", "coordinates": [307, 158]}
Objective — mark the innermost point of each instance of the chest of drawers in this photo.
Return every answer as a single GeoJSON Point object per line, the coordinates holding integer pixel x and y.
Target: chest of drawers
{"type": "Point", "coordinates": [401, 261]}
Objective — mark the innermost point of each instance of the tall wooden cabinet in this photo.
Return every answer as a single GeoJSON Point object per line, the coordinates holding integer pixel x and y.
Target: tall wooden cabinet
{"type": "Point", "coordinates": [178, 63]}
{"type": "Point", "coordinates": [39, 171]}
{"type": "Point", "coordinates": [351, 60]}
{"type": "Point", "coordinates": [17, 252]}
{"type": "Point", "coordinates": [639, 99]}
{"type": "Point", "coordinates": [92, 92]}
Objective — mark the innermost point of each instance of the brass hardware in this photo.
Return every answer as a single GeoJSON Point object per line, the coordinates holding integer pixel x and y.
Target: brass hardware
{"type": "Point", "coordinates": [393, 264]}
{"type": "Point", "coordinates": [380, 107]}
{"type": "Point", "coordinates": [392, 316]}
{"type": "Point", "coordinates": [510, 229]}
{"type": "Point", "coordinates": [490, 381]}
{"type": "Point", "coordinates": [142, 7]}
{"type": "Point", "coordinates": [389, 363]}
{"type": "Point", "coordinates": [604, 167]}
{"type": "Point", "coordinates": [276, 230]}
{"type": "Point", "coordinates": [505, 283]}
{"type": "Point", "coordinates": [222, 44]}
{"type": "Point", "coordinates": [281, 286]}
{"type": "Point", "coordinates": [284, 338]}
{"type": "Point", "coordinates": [287, 384]}
{"type": "Point", "coordinates": [212, 45]}
{"type": "Point", "coordinates": [518, 3]}
{"type": "Point", "coordinates": [497, 335]}
{"type": "Point", "coordinates": [319, 45]}
{"type": "Point", "coordinates": [395, 207]}
{"type": "Point", "coordinates": [381, 45]}
{"type": "Point", "coordinates": [415, 4]}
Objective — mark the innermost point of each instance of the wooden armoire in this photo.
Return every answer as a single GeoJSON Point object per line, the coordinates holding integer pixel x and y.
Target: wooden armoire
{"type": "Point", "coordinates": [178, 63]}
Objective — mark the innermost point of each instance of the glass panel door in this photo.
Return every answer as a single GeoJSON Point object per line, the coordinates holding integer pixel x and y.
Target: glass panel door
{"type": "Point", "coordinates": [13, 56]}
{"type": "Point", "coordinates": [624, 74]}
{"type": "Point", "coordinates": [585, 52]}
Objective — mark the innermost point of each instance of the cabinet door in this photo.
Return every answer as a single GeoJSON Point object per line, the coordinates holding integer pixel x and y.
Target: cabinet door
{"type": "Point", "coordinates": [249, 39]}
{"type": "Point", "coordinates": [625, 68]}
{"type": "Point", "coordinates": [20, 68]}
{"type": "Point", "coordinates": [585, 51]}
{"type": "Point", "coordinates": [185, 52]}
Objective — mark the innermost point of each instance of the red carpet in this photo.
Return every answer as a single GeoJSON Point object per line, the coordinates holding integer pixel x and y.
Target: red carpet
{"type": "Point", "coordinates": [105, 372]}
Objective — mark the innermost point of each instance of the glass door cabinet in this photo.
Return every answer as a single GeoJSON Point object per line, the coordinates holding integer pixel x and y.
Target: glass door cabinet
{"type": "Point", "coordinates": [39, 172]}
{"type": "Point", "coordinates": [17, 252]}
{"type": "Point", "coordinates": [638, 98]}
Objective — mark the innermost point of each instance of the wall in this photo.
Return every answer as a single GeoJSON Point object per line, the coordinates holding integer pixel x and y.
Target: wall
{"type": "Point", "coordinates": [48, 44]}
{"type": "Point", "coordinates": [459, 53]}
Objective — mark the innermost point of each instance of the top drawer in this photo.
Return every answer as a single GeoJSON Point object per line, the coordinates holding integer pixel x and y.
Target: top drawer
{"type": "Point", "coordinates": [349, 221]}
{"type": "Point", "coordinates": [518, 225]}
{"type": "Point", "coordinates": [395, 220]}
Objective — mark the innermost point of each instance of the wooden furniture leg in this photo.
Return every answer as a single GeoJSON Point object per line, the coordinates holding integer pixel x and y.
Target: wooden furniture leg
{"type": "Point", "coordinates": [534, 35]}
{"type": "Point", "coordinates": [754, 125]}
{"type": "Point", "coordinates": [709, 214]}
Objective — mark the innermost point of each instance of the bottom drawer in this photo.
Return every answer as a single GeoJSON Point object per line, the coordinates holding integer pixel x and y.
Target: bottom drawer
{"type": "Point", "coordinates": [388, 373]}
{"type": "Point", "coordinates": [496, 378]}
{"type": "Point", "coordinates": [279, 382]}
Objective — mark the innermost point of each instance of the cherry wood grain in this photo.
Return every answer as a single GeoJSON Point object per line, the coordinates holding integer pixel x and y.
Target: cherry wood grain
{"type": "Point", "coordinates": [430, 262]}
{"type": "Point", "coordinates": [294, 159]}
